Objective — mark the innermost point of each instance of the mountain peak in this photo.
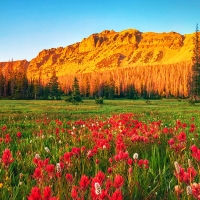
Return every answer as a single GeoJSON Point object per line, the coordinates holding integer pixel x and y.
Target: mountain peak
{"type": "Point", "coordinates": [110, 50]}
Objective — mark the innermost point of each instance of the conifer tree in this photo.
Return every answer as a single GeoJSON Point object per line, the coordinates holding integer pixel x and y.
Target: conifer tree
{"type": "Point", "coordinates": [131, 92]}
{"type": "Point", "coordinates": [87, 89]}
{"type": "Point", "coordinates": [20, 83]}
{"type": "Point", "coordinates": [75, 97]}
{"type": "Point", "coordinates": [1, 83]}
{"type": "Point", "coordinates": [53, 85]}
{"type": "Point", "coordinates": [30, 90]}
{"type": "Point", "coordinates": [36, 89]}
{"type": "Point", "coordinates": [195, 90]}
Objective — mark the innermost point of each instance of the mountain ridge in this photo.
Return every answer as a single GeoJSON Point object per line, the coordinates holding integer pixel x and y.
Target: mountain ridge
{"type": "Point", "coordinates": [109, 50]}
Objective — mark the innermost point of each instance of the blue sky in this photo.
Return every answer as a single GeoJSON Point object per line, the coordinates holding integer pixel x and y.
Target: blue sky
{"type": "Point", "coordinates": [29, 26]}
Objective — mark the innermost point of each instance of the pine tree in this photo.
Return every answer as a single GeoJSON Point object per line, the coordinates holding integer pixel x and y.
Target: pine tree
{"type": "Point", "coordinates": [53, 85]}
{"type": "Point", "coordinates": [87, 89]}
{"type": "Point", "coordinates": [111, 91]}
{"type": "Point", "coordinates": [131, 92]}
{"type": "Point", "coordinates": [30, 90]}
{"type": "Point", "coordinates": [19, 82]}
{"type": "Point", "coordinates": [195, 87]}
{"type": "Point", "coordinates": [1, 83]}
{"type": "Point", "coordinates": [75, 97]}
{"type": "Point", "coordinates": [36, 89]}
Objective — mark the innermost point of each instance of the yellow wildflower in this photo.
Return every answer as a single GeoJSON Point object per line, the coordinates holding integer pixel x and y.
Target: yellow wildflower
{"type": "Point", "coordinates": [1, 185]}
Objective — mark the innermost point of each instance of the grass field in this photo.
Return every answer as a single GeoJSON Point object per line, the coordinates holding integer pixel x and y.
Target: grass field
{"type": "Point", "coordinates": [95, 147]}
{"type": "Point", "coordinates": [55, 109]}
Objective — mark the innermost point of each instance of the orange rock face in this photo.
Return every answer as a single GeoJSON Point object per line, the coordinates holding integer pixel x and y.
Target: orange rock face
{"type": "Point", "coordinates": [19, 65]}
{"type": "Point", "coordinates": [109, 50]}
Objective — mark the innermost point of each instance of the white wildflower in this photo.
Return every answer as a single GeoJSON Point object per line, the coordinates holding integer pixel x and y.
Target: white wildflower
{"type": "Point", "coordinates": [58, 168]}
{"type": "Point", "coordinates": [37, 156]}
{"type": "Point", "coordinates": [177, 167]}
{"type": "Point", "coordinates": [189, 190]}
{"type": "Point", "coordinates": [97, 188]}
{"type": "Point", "coordinates": [47, 149]}
{"type": "Point", "coordinates": [189, 163]}
{"type": "Point", "coordinates": [135, 156]}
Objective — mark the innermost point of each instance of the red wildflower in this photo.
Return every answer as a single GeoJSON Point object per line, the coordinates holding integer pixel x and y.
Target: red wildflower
{"type": "Point", "coordinates": [109, 170]}
{"type": "Point", "coordinates": [67, 156]}
{"type": "Point", "coordinates": [8, 138]}
{"type": "Point", "coordinates": [185, 176]}
{"type": "Point", "coordinates": [118, 181]}
{"type": "Point", "coordinates": [35, 194]}
{"type": "Point", "coordinates": [196, 190]}
{"type": "Point", "coordinates": [100, 177]}
{"type": "Point", "coordinates": [19, 134]}
{"type": "Point", "coordinates": [103, 194]}
{"type": "Point", "coordinates": [130, 170]}
{"type": "Point", "coordinates": [171, 141]}
{"type": "Point", "coordinates": [37, 173]}
{"type": "Point", "coordinates": [195, 152]}
{"type": "Point", "coordinates": [76, 151]}
{"type": "Point", "coordinates": [192, 128]}
{"type": "Point", "coordinates": [3, 128]}
{"type": "Point", "coordinates": [140, 163]}
{"type": "Point", "coordinates": [110, 160]}
{"type": "Point", "coordinates": [192, 173]}
{"type": "Point", "coordinates": [146, 163]}
{"type": "Point", "coordinates": [117, 195]}
{"type": "Point", "coordinates": [97, 161]}
{"type": "Point", "coordinates": [69, 178]}
{"type": "Point", "coordinates": [46, 193]}
{"type": "Point", "coordinates": [130, 161]}
{"type": "Point", "coordinates": [108, 184]}
{"type": "Point", "coordinates": [7, 157]}
{"type": "Point", "coordinates": [165, 130]}
{"type": "Point", "coordinates": [194, 149]}
{"type": "Point", "coordinates": [181, 137]}
{"type": "Point", "coordinates": [50, 169]}
{"type": "Point", "coordinates": [84, 182]}
{"type": "Point", "coordinates": [74, 193]}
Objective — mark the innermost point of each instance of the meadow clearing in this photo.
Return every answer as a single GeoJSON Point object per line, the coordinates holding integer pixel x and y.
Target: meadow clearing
{"type": "Point", "coordinates": [123, 149]}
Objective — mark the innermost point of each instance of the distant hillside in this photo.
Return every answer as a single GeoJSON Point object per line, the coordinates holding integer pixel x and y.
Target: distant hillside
{"type": "Point", "coordinates": [111, 50]}
{"type": "Point", "coordinates": [130, 56]}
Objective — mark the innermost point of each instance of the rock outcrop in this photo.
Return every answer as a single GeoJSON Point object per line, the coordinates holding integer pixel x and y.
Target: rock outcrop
{"type": "Point", "coordinates": [109, 50]}
{"type": "Point", "coordinates": [9, 67]}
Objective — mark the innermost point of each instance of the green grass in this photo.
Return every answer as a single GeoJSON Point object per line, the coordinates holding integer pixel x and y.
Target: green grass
{"type": "Point", "coordinates": [37, 109]}
{"type": "Point", "coordinates": [155, 183]}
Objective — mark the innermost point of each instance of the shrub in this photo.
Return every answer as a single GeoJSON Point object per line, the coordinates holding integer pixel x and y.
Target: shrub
{"type": "Point", "coordinates": [99, 100]}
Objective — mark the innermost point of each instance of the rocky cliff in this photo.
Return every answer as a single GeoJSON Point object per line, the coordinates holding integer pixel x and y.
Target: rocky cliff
{"type": "Point", "coordinates": [9, 67]}
{"type": "Point", "coordinates": [110, 50]}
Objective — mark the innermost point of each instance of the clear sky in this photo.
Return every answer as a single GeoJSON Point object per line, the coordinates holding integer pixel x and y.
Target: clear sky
{"type": "Point", "coordinates": [29, 26]}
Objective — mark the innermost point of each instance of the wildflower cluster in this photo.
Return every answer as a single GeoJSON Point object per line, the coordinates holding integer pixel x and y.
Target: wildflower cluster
{"type": "Point", "coordinates": [113, 158]}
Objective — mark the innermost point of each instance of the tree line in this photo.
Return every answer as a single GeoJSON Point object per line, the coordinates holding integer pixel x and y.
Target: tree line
{"type": "Point", "coordinates": [149, 82]}
{"type": "Point", "coordinates": [14, 84]}
{"type": "Point", "coordinates": [179, 80]}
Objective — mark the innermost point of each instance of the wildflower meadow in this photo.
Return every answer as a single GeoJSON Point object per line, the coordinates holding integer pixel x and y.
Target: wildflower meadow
{"type": "Point", "coordinates": [108, 156]}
